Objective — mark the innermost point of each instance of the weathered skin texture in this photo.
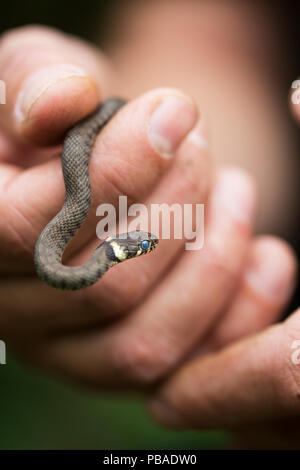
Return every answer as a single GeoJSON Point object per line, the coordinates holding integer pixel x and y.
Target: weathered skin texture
{"type": "Point", "coordinates": [57, 234]}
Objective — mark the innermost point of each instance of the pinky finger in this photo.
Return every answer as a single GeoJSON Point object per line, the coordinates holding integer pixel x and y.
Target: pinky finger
{"type": "Point", "coordinates": [266, 286]}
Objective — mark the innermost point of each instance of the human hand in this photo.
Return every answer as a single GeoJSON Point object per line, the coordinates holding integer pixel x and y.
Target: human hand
{"type": "Point", "coordinates": [145, 316]}
{"type": "Point", "coordinates": [251, 386]}
{"type": "Point", "coordinates": [53, 81]}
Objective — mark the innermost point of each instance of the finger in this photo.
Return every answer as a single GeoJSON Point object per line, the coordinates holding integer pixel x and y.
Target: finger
{"type": "Point", "coordinates": [198, 285]}
{"type": "Point", "coordinates": [294, 100]}
{"type": "Point", "coordinates": [128, 158]}
{"type": "Point", "coordinates": [187, 181]}
{"type": "Point", "coordinates": [20, 155]}
{"type": "Point", "coordinates": [253, 380]}
{"type": "Point", "coordinates": [266, 286]}
{"type": "Point", "coordinates": [57, 82]}
{"type": "Point", "coordinates": [159, 333]}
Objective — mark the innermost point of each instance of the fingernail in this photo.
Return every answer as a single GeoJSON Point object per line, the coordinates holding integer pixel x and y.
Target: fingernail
{"type": "Point", "coordinates": [164, 414]}
{"type": "Point", "coordinates": [170, 122]}
{"type": "Point", "coordinates": [271, 272]}
{"type": "Point", "coordinates": [38, 83]}
{"type": "Point", "coordinates": [235, 191]}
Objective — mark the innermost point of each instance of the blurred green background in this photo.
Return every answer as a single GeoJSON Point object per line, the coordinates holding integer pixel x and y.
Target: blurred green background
{"type": "Point", "coordinates": [37, 412]}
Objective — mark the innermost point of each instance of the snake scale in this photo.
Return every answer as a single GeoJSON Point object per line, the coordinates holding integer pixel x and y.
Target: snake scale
{"type": "Point", "coordinates": [61, 229]}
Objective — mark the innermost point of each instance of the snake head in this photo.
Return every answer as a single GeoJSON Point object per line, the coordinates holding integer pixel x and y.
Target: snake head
{"type": "Point", "coordinates": [132, 244]}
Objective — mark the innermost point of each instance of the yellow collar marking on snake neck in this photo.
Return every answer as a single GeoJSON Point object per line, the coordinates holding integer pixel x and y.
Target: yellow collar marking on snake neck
{"type": "Point", "coordinates": [118, 251]}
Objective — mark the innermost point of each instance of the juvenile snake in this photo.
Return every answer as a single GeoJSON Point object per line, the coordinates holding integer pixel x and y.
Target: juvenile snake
{"type": "Point", "coordinates": [60, 230]}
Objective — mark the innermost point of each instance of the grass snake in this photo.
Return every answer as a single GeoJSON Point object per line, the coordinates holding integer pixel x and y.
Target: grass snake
{"type": "Point", "coordinates": [61, 229]}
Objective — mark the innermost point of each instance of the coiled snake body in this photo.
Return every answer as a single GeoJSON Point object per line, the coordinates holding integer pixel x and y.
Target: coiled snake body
{"type": "Point", "coordinates": [57, 234]}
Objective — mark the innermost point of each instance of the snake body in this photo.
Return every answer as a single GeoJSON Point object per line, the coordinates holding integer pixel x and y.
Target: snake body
{"type": "Point", "coordinates": [62, 228]}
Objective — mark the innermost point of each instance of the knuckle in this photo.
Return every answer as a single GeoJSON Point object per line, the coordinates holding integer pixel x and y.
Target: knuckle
{"type": "Point", "coordinates": [141, 362]}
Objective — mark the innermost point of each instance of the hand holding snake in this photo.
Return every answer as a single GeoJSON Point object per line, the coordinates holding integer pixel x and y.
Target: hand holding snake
{"type": "Point", "coordinates": [155, 309]}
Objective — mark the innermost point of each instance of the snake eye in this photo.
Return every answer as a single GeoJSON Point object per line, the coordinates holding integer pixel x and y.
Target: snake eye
{"type": "Point", "coordinates": [145, 245]}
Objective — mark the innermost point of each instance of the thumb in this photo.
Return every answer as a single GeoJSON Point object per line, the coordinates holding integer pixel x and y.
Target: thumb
{"type": "Point", "coordinates": [52, 81]}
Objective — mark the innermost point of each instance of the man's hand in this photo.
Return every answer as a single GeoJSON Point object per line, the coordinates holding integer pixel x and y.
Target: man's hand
{"type": "Point", "coordinates": [252, 386]}
{"type": "Point", "coordinates": [145, 316]}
